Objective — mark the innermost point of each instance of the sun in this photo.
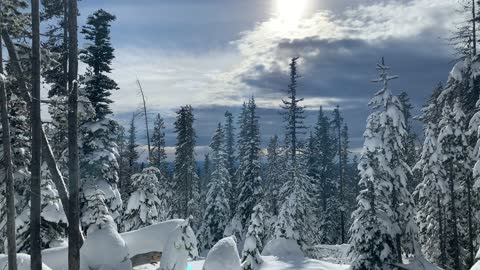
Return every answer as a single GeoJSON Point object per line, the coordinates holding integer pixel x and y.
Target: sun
{"type": "Point", "coordinates": [290, 12]}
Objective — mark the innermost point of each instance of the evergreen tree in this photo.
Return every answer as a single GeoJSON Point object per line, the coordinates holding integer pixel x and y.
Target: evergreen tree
{"type": "Point", "coordinates": [251, 259]}
{"type": "Point", "coordinates": [159, 156]}
{"type": "Point", "coordinates": [273, 178]}
{"type": "Point", "coordinates": [321, 169]}
{"type": "Point", "coordinates": [131, 156]}
{"type": "Point", "coordinates": [98, 57]}
{"type": "Point", "coordinates": [217, 211]}
{"type": "Point", "coordinates": [230, 144]}
{"type": "Point", "coordinates": [186, 177]}
{"type": "Point", "coordinates": [249, 188]}
{"type": "Point", "coordinates": [453, 152]}
{"type": "Point", "coordinates": [410, 140]}
{"type": "Point", "coordinates": [144, 204]}
{"type": "Point", "coordinates": [430, 192]}
{"type": "Point", "coordinates": [96, 208]}
{"type": "Point", "coordinates": [382, 227]}
{"type": "Point", "coordinates": [293, 220]}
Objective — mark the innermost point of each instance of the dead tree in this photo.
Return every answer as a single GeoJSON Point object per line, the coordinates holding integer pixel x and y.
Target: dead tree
{"type": "Point", "coordinates": [7, 159]}
{"type": "Point", "coordinates": [36, 126]}
{"type": "Point", "coordinates": [146, 118]}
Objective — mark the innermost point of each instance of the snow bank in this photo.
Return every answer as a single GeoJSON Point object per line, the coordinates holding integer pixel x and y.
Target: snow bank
{"type": "Point", "coordinates": [223, 255]}
{"type": "Point", "coordinates": [104, 248]}
{"type": "Point", "coordinates": [181, 245]}
{"type": "Point", "coordinates": [151, 238]}
{"type": "Point", "coordinates": [330, 253]}
{"type": "Point", "coordinates": [23, 262]}
{"type": "Point", "coordinates": [420, 263]}
{"type": "Point", "coordinates": [56, 258]}
{"type": "Point", "coordinates": [282, 247]}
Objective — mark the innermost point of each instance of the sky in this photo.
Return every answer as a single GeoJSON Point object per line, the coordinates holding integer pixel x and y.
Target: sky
{"type": "Point", "coordinates": [215, 54]}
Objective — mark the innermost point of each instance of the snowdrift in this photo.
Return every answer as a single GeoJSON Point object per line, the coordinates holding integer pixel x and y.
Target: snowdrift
{"type": "Point", "coordinates": [144, 240]}
{"type": "Point", "coordinates": [282, 248]}
{"type": "Point", "coordinates": [223, 255]}
{"type": "Point", "coordinates": [23, 262]}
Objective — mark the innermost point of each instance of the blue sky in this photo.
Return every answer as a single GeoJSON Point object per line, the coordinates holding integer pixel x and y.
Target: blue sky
{"type": "Point", "coordinates": [214, 54]}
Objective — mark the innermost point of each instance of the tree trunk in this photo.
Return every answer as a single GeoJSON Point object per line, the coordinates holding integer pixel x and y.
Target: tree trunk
{"type": "Point", "coordinates": [453, 222]}
{"type": "Point", "coordinates": [74, 241]}
{"type": "Point", "coordinates": [146, 121]}
{"type": "Point", "coordinates": [47, 150]}
{"type": "Point", "coordinates": [7, 159]}
{"type": "Point", "coordinates": [35, 167]}
{"type": "Point", "coordinates": [443, 253]}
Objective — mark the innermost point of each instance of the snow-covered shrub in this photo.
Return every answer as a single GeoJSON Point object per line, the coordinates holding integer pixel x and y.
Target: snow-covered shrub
{"type": "Point", "coordinates": [143, 205]}
{"type": "Point", "coordinates": [223, 255]}
{"type": "Point", "coordinates": [181, 244]}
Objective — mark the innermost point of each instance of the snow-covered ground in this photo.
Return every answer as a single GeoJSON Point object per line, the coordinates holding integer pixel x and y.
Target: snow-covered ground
{"type": "Point", "coordinates": [274, 263]}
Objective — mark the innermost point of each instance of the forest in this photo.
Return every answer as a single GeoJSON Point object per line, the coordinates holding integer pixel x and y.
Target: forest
{"type": "Point", "coordinates": [79, 190]}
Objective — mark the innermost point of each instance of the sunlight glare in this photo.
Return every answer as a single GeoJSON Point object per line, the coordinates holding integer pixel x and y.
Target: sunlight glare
{"type": "Point", "coordinates": [290, 12]}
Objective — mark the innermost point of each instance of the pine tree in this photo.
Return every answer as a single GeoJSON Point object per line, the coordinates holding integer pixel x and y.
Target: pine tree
{"type": "Point", "coordinates": [186, 178]}
{"type": "Point", "coordinates": [321, 169]}
{"type": "Point", "coordinates": [144, 204]}
{"type": "Point", "coordinates": [453, 152]}
{"type": "Point", "coordinates": [251, 259]}
{"type": "Point", "coordinates": [98, 56]}
{"type": "Point", "coordinates": [96, 208]}
{"type": "Point", "coordinates": [293, 219]}
{"type": "Point", "coordinates": [383, 220]}
{"type": "Point", "coordinates": [131, 156]}
{"type": "Point", "coordinates": [230, 143]}
{"type": "Point", "coordinates": [430, 192]}
{"type": "Point", "coordinates": [410, 139]}
{"type": "Point", "coordinates": [159, 156]}
{"type": "Point", "coordinates": [217, 210]}
{"type": "Point", "coordinates": [249, 187]}
{"type": "Point", "coordinates": [273, 178]}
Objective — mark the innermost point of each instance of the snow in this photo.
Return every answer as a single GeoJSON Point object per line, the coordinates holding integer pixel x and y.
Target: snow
{"type": "Point", "coordinates": [23, 262]}
{"type": "Point", "coordinates": [223, 255]}
{"type": "Point", "coordinates": [105, 240]}
{"type": "Point", "coordinates": [457, 70]}
{"type": "Point", "coordinates": [272, 263]}
{"type": "Point", "coordinates": [151, 238]}
{"type": "Point", "coordinates": [283, 248]}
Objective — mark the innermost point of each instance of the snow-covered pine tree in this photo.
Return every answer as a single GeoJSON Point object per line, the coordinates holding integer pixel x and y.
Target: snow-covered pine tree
{"type": "Point", "coordinates": [383, 220]}
{"type": "Point", "coordinates": [96, 208]}
{"type": "Point", "coordinates": [296, 209]}
{"type": "Point", "coordinates": [98, 56]}
{"type": "Point", "coordinates": [99, 151]}
{"type": "Point", "coordinates": [159, 156]}
{"type": "Point", "coordinates": [430, 192]}
{"type": "Point", "coordinates": [230, 144]}
{"type": "Point", "coordinates": [217, 210]}
{"type": "Point", "coordinates": [144, 204]}
{"type": "Point", "coordinates": [273, 181]}
{"type": "Point", "coordinates": [186, 178]}
{"type": "Point", "coordinates": [453, 152]}
{"type": "Point", "coordinates": [411, 156]}
{"type": "Point", "coordinates": [249, 188]}
{"type": "Point", "coordinates": [131, 157]}
{"type": "Point", "coordinates": [207, 172]}
{"type": "Point", "coordinates": [321, 169]}
{"type": "Point", "coordinates": [159, 160]}
{"type": "Point", "coordinates": [251, 259]}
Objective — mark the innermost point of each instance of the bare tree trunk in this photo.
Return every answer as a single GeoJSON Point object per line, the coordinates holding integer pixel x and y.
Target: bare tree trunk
{"type": "Point", "coordinates": [47, 150]}
{"type": "Point", "coordinates": [35, 198]}
{"type": "Point", "coordinates": [146, 119]}
{"type": "Point", "coordinates": [7, 159]}
{"type": "Point", "coordinates": [74, 241]}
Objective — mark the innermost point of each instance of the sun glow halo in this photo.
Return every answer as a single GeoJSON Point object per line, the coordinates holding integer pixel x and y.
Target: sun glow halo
{"type": "Point", "coordinates": [290, 12]}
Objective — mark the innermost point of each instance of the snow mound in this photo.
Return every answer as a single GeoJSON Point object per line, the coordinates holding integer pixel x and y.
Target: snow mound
{"type": "Point", "coordinates": [282, 247]}
{"type": "Point", "coordinates": [223, 255]}
{"type": "Point", "coordinates": [104, 248]}
{"type": "Point", "coordinates": [23, 262]}
{"type": "Point", "coordinates": [420, 263]}
{"type": "Point", "coordinates": [151, 238]}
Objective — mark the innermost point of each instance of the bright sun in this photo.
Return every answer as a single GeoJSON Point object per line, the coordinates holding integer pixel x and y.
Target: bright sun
{"type": "Point", "coordinates": [290, 11]}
